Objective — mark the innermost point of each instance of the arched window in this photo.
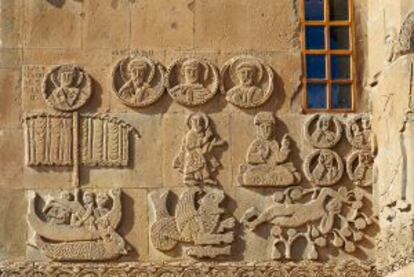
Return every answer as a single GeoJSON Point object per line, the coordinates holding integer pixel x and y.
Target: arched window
{"type": "Point", "coordinates": [327, 51]}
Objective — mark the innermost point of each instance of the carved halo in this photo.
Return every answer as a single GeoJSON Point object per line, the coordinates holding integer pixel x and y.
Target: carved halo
{"type": "Point", "coordinates": [81, 81]}
{"type": "Point", "coordinates": [309, 163]}
{"type": "Point", "coordinates": [174, 78]}
{"type": "Point", "coordinates": [317, 117]}
{"type": "Point", "coordinates": [350, 165]}
{"type": "Point", "coordinates": [202, 115]}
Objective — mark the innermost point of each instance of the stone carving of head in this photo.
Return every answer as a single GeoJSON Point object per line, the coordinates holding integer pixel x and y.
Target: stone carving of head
{"type": "Point", "coordinates": [190, 71]}
{"type": "Point", "coordinates": [324, 122]}
{"type": "Point", "coordinates": [197, 122]}
{"type": "Point", "coordinates": [102, 199]}
{"type": "Point", "coordinates": [265, 123]}
{"type": "Point", "coordinates": [88, 198]}
{"type": "Point", "coordinates": [137, 70]}
{"type": "Point", "coordinates": [66, 75]}
{"type": "Point", "coordinates": [246, 73]}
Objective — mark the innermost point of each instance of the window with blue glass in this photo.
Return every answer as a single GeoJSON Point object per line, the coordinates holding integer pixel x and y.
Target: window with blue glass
{"type": "Point", "coordinates": [328, 55]}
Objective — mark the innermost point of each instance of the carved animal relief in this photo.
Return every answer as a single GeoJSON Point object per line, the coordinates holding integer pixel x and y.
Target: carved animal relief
{"type": "Point", "coordinates": [199, 221]}
{"type": "Point", "coordinates": [192, 81]}
{"type": "Point", "coordinates": [267, 160]}
{"type": "Point", "coordinates": [246, 81]}
{"type": "Point", "coordinates": [67, 87]}
{"type": "Point", "coordinates": [77, 226]}
{"type": "Point", "coordinates": [138, 81]}
{"type": "Point", "coordinates": [196, 160]}
{"type": "Point", "coordinates": [321, 216]}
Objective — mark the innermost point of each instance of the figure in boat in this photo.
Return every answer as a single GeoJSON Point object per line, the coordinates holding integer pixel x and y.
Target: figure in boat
{"type": "Point", "coordinates": [266, 160]}
{"type": "Point", "coordinates": [76, 225]}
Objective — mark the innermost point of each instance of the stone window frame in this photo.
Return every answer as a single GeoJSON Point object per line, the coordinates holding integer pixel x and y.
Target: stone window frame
{"type": "Point", "coordinates": [327, 52]}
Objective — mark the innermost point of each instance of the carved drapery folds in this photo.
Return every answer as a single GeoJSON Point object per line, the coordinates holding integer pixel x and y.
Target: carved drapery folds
{"type": "Point", "coordinates": [203, 226]}
{"type": "Point", "coordinates": [78, 226]}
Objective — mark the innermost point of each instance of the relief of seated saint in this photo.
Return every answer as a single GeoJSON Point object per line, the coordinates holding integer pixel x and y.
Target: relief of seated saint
{"type": "Point", "coordinates": [266, 161]}
{"type": "Point", "coordinates": [137, 89]}
{"type": "Point", "coordinates": [66, 94]}
{"type": "Point", "coordinates": [246, 92]}
{"type": "Point", "coordinates": [191, 91]}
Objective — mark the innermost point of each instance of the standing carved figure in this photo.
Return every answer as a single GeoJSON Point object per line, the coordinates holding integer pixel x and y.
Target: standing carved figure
{"type": "Point", "coordinates": [138, 81]}
{"type": "Point", "coordinates": [67, 87]}
{"type": "Point", "coordinates": [247, 81]}
{"type": "Point", "coordinates": [266, 160]}
{"type": "Point", "coordinates": [191, 81]}
{"type": "Point", "coordinates": [195, 159]}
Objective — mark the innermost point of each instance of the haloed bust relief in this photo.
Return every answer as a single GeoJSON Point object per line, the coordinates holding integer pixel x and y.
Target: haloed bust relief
{"type": "Point", "coordinates": [138, 81]}
{"type": "Point", "coordinates": [246, 81]}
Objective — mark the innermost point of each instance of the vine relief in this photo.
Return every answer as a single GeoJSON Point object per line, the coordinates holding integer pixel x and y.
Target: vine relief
{"type": "Point", "coordinates": [67, 87]}
{"type": "Point", "coordinates": [192, 81]}
{"type": "Point", "coordinates": [247, 81]}
{"type": "Point", "coordinates": [196, 160]}
{"type": "Point", "coordinates": [77, 226]}
{"type": "Point", "coordinates": [319, 215]}
{"type": "Point", "coordinates": [199, 221]}
{"type": "Point", "coordinates": [267, 161]}
{"type": "Point", "coordinates": [138, 81]}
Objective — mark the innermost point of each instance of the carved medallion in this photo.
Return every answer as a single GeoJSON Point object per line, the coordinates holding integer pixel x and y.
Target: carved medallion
{"type": "Point", "coordinates": [138, 81]}
{"type": "Point", "coordinates": [203, 225]}
{"type": "Point", "coordinates": [312, 214]}
{"type": "Point", "coordinates": [360, 166]}
{"type": "Point", "coordinates": [77, 226]}
{"type": "Point", "coordinates": [323, 167]}
{"type": "Point", "coordinates": [323, 131]}
{"type": "Point", "coordinates": [67, 87]}
{"type": "Point", "coordinates": [358, 131]}
{"type": "Point", "coordinates": [196, 160]}
{"type": "Point", "coordinates": [247, 81]}
{"type": "Point", "coordinates": [192, 81]}
{"type": "Point", "coordinates": [267, 160]}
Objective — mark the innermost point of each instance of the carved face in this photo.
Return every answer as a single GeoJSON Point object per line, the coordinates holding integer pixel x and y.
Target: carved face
{"type": "Point", "coordinates": [324, 123]}
{"type": "Point", "coordinates": [366, 124]}
{"type": "Point", "coordinates": [66, 78]}
{"type": "Point", "coordinates": [191, 74]}
{"type": "Point", "coordinates": [88, 198]}
{"type": "Point", "coordinates": [197, 123]}
{"type": "Point", "coordinates": [365, 158]}
{"type": "Point", "coordinates": [137, 73]}
{"type": "Point", "coordinates": [326, 159]}
{"type": "Point", "coordinates": [102, 199]}
{"type": "Point", "coordinates": [246, 76]}
{"type": "Point", "coordinates": [265, 130]}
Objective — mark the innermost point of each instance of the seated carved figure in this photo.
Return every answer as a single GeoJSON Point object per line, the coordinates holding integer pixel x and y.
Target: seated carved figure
{"type": "Point", "coordinates": [266, 161]}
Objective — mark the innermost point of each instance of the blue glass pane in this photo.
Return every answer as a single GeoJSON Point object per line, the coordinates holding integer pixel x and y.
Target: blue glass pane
{"type": "Point", "coordinates": [315, 37]}
{"type": "Point", "coordinates": [338, 10]}
{"type": "Point", "coordinates": [315, 67]}
{"type": "Point", "coordinates": [314, 10]}
{"type": "Point", "coordinates": [339, 37]}
{"type": "Point", "coordinates": [341, 67]}
{"type": "Point", "coordinates": [316, 96]}
{"type": "Point", "coordinates": [341, 96]}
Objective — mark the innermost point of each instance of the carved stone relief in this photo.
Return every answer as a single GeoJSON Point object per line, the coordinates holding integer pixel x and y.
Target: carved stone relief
{"type": "Point", "coordinates": [360, 167]}
{"type": "Point", "coordinates": [138, 81]}
{"type": "Point", "coordinates": [319, 215]}
{"type": "Point", "coordinates": [323, 131]}
{"type": "Point", "coordinates": [67, 87]}
{"type": "Point", "coordinates": [199, 221]}
{"type": "Point", "coordinates": [323, 167]}
{"type": "Point", "coordinates": [246, 81]}
{"type": "Point", "coordinates": [406, 37]}
{"type": "Point", "coordinates": [192, 81]}
{"type": "Point", "coordinates": [196, 160]}
{"type": "Point", "coordinates": [267, 161]}
{"type": "Point", "coordinates": [77, 226]}
{"type": "Point", "coordinates": [358, 132]}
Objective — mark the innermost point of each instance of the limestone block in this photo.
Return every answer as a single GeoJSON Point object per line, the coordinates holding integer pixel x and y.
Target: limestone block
{"type": "Point", "coordinates": [10, 82]}
{"type": "Point", "coordinates": [11, 24]}
{"type": "Point", "coordinates": [12, 157]}
{"type": "Point", "coordinates": [162, 24]}
{"type": "Point", "coordinates": [14, 230]}
{"type": "Point", "coordinates": [97, 33]}
{"type": "Point", "coordinates": [40, 31]}
{"type": "Point", "coordinates": [10, 58]}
